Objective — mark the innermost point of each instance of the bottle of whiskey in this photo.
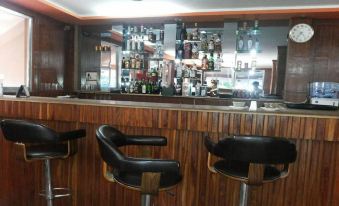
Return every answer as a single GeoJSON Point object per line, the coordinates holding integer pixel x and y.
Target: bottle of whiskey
{"type": "Point", "coordinates": [195, 33]}
{"type": "Point", "coordinates": [204, 63]}
{"type": "Point", "coordinates": [211, 45]}
{"type": "Point", "coordinates": [204, 42]}
{"type": "Point", "coordinates": [183, 34]}
{"type": "Point", "coordinates": [211, 63]}
{"type": "Point", "coordinates": [123, 63]}
{"type": "Point", "coordinates": [195, 51]}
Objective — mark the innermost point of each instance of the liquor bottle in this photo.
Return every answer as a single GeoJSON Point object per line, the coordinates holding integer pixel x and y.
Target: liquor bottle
{"type": "Point", "coordinates": [204, 42]}
{"type": "Point", "coordinates": [133, 62]}
{"type": "Point", "coordinates": [137, 62]}
{"type": "Point", "coordinates": [179, 28]}
{"type": "Point", "coordinates": [183, 34]}
{"type": "Point", "coordinates": [193, 71]}
{"type": "Point", "coordinates": [211, 45]}
{"type": "Point", "coordinates": [162, 36]}
{"type": "Point", "coordinates": [134, 43]}
{"type": "Point", "coordinates": [128, 43]}
{"type": "Point", "coordinates": [217, 43]}
{"type": "Point", "coordinates": [123, 63]}
{"type": "Point", "coordinates": [137, 88]}
{"type": "Point", "coordinates": [143, 87]}
{"type": "Point", "coordinates": [131, 86]}
{"type": "Point", "coordinates": [179, 70]}
{"type": "Point", "coordinates": [180, 51]}
{"type": "Point", "coordinates": [188, 51]}
{"type": "Point", "coordinates": [211, 63]}
{"type": "Point", "coordinates": [140, 46]}
{"type": "Point", "coordinates": [218, 62]}
{"type": "Point", "coordinates": [240, 43]}
{"type": "Point", "coordinates": [256, 25]}
{"type": "Point", "coordinates": [195, 51]}
{"type": "Point", "coordinates": [204, 63]}
{"type": "Point", "coordinates": [186, 72]}
{"type": "Point", "coordinates": [142, 30]}
{"type": "Point", "coordinates": [195, 33]}
{"type": "Point", "coordinates": [127, 64]}
{"type": "Point", "coordinates": [141, 62]}
{"type": "Point", "coordinates": [257, 44]}
{"type": "Point", "coordinates": [123, 85]}
{"type": "Point", "coordinates": [149, 87]}
{"type": "Point", "coordinates": [150, 35]}
{"type": "Point", "coordinates": [249, 43]}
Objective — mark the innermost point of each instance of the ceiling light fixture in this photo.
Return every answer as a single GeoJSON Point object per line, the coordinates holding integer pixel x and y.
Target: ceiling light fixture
{"type": "Point", "coordinates": [132, 9]}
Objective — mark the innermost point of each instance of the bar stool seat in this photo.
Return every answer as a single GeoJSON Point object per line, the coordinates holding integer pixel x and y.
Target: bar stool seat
{"type": "Point", "coordinates": [239, 170]}
{"type": "Point", "coordinates": [252, 160]}
{"type": "Point", "coordinates": [133, 179]}
{"type": "Point", "coordinates": [43, 151]}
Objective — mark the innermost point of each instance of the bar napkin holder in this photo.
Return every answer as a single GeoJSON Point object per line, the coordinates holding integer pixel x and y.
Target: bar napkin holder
{"type": "Point", "coordinates": [253, 106]}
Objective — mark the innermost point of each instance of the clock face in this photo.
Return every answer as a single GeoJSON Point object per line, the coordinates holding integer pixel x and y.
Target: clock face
{"type": "Point", "coordinates": [301, 33]}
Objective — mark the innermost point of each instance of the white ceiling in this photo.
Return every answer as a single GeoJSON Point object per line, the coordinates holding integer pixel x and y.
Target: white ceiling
{"type": "Point", "coordinates": [149, 8]}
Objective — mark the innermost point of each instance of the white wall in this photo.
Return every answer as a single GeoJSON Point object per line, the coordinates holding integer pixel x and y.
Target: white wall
{"type": "Point", "coordinates": [13, 48]}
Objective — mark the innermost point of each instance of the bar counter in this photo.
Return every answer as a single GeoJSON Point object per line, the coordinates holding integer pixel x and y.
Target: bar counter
{"type": "Point", "coordinates": [313, 179]}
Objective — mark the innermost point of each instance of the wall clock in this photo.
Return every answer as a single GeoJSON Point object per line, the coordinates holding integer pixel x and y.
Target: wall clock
{"type": "Point", "coordinates": [301, 33]}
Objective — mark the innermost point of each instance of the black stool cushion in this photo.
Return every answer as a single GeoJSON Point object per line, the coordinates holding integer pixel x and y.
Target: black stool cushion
{"type": "Point", "coordinates": [238, 169]}
{"type": "Point", "coordinates": [133, 179]}
{"type": "Point", "coordinates": [43, 151]}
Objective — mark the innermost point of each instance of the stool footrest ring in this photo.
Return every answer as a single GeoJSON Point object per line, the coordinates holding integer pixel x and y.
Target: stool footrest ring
{"type": "Point", "coordinates": [60, 192]}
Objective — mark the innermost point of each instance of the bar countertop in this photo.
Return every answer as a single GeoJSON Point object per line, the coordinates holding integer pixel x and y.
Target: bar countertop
{"type": "Point", "coordinates": [281, 111]}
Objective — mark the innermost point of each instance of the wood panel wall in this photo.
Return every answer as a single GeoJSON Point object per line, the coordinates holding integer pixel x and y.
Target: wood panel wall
{"type": "Point", "coordinates": [313, 181]}
{"type": "Point", "coordinates": [316, 60]}
{"type": "Point", "coordinates": [52, 52]}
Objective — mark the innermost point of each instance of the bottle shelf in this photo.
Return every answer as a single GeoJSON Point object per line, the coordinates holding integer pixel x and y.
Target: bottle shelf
{"type": "Point", "coordinates": [247, 51]}
{"type": "Point", "coordinates": [253, 32]}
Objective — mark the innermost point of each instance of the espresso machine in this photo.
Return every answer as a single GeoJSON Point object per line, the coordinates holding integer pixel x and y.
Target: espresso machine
{"type": "Point", "coordinates": [324, 93]}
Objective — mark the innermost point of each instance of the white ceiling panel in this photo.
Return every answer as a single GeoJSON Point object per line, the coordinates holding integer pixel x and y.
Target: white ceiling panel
{"type": "Point", "coordinates": [149, 8]}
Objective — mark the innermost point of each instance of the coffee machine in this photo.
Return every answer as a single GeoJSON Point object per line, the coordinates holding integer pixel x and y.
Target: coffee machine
{"type": "Point", "coordinates": [324, 93]}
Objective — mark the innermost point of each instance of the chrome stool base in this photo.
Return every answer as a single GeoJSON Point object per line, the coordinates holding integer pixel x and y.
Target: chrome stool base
{"type": "Point", "coordinates": [145, 200]}
{"type": "Point", "coordinates": [55, 190]}
{"type": "Point", "coordinates": [243, 194]}
{"type": "Point", "coordinates": [48, 192]}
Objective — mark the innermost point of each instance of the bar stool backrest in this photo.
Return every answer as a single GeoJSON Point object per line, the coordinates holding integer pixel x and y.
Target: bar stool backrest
{"type": "Point", "coordinates": [254, 149]}
{"type": "Point", "coordinates": [109, 140]}
{"type": "Point", "coordinates": [27, 132]}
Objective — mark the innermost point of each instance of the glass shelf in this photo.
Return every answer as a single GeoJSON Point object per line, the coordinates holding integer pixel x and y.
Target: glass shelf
{"type": "Point", "coordinates": [247, 51]}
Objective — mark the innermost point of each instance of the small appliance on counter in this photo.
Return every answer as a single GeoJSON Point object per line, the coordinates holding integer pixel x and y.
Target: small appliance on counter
{"type": "Point", "coordinates": [324, 93]}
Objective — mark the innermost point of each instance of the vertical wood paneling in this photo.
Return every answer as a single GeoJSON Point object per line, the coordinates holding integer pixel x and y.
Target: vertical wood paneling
{"type": "Point", "coordinates": [313, 179]}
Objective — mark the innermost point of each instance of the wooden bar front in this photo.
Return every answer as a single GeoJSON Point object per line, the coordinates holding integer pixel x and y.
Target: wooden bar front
{"type": "Point", "coordinates": [313, 180]}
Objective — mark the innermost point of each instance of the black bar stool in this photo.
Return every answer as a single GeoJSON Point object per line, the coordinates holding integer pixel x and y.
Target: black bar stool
{"type": "Point", "coordinates": [149, 176]}
{"type": "Point", "coordinates": [251, 160]}
{"type": "Point", "coordinates": [42, 143]}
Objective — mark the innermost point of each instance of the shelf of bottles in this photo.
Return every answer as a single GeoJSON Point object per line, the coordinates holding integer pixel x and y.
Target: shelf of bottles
{"type": "Point", "coordinates": [197, 51]}
{"type": "Point", "coordinates": [248, 37]}
{"type": "Point", "coordinates": [142, 56]}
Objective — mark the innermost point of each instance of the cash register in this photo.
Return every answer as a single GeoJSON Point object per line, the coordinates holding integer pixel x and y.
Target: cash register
{"type": "Point", "coordinates": [324, 93]}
